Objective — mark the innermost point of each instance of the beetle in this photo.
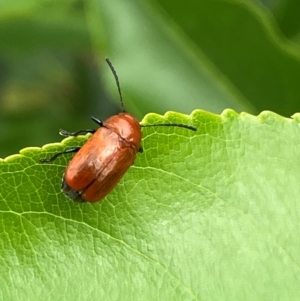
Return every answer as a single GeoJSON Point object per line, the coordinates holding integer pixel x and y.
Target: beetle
{"type": "Point", "coordinates": [101, 162]}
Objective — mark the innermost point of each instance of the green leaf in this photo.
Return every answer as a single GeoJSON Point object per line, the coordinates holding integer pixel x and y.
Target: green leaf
{"type": "Point", "coordinates": [206, 215]}
{"type": "Point", "coordinates": [161, 65]}
{"type": "Point", "coordinates": [211, 54]}
{"type": "Point", "coordinates": [287, 15]}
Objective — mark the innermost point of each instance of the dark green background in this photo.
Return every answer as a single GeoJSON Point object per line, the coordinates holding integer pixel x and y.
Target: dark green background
{"type": "Point", "coordinates": [207, 54]}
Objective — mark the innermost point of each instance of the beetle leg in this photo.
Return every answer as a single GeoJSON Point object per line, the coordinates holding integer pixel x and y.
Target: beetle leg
{"type": "Point", "coordinates": [74, 134]}
{"type": "Point", "coordinates": [68, 134]}
{"type": "Point", "coordinates": [67, 151]}
{"type": "Point", "coordinates": [140, 150]}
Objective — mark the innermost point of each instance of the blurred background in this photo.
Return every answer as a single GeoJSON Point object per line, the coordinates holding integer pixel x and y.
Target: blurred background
{"type": "Point", "coordinates": [208, 54]}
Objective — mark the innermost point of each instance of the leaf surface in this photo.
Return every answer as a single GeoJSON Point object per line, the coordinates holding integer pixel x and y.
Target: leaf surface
{"type": "Point", "coordinates": [206, 215]}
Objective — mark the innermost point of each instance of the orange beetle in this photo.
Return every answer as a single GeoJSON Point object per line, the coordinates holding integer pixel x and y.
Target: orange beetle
{"type": "Point", "coordinates": [102, 161]}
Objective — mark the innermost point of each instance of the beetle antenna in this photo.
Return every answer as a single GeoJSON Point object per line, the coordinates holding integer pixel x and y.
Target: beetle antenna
{"type": "Point", "coordinates": [188, 127]}
{"type": "Point", "coordinates": [117, 81]}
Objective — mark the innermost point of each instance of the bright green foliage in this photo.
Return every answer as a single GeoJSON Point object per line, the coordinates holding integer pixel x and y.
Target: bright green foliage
{"type": "Point", "coordinates": [206, 215]}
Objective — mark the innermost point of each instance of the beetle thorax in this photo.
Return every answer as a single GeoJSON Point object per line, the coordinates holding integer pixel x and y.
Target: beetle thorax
{"type": "Point", "coordinates": [127, 127]}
